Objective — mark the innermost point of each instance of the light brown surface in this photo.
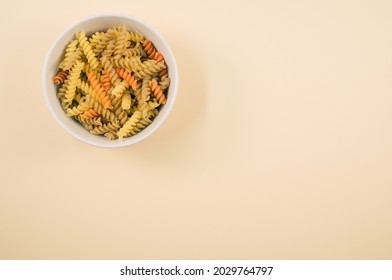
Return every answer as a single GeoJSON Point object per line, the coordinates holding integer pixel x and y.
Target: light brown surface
{"type": "Point", "coordinates": [279, 145]}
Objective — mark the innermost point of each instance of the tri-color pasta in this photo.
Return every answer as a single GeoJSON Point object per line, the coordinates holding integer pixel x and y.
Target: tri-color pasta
{"type": "Point", "coordinates": [112, 82]}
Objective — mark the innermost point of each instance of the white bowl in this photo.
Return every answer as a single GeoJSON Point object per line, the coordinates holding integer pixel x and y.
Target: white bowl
{"type": "Point", "coordinates": [101, 23]}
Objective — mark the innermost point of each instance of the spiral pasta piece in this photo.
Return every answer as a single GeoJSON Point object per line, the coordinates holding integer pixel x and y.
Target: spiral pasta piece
{"type": "Point", "coordinates": [158, 57]}
{"type": "Point", "coordinates": [152, 104]}
{"type": "Point", "coordinates": [164, 82]}
{"type": "Point", "coordinates": [87, 69]}
{"type": "Point", "coordinates": [69, 51]}
{"type": "Point", "coordinates": [102, 97]}
{"type": "Point", "coordinates": [163, 73]}
{"type": "Point", "coordinates": [72, 81]}
{"type": "Point", "coordinates": [155, 88]}
{"type": "Point", "coordinates": [149, 67]}
{"type": "Point", "coordinates": [90, 113]}
{"type": "Point", "coordinates": [126, 101]}
{"type": "Point", "coordinates": [110, 48]}
{"type": "Point", "coordinates": [60, 77]}
{"type": "Point", "coordinates": [95, 39]}
{"type": "Point", "coordinates": [94, 121]}
{"type": "Point", "coordinates": [120, 45]}
{"type": "Point", "coordinates": [126, 129]}
{"type": "Point", "coordinates": [149, 48]}
{"type": "Point", "coordinates": [135, 51]}
{"type": "Point", "coordinates": [106, 83]}
{"type": "Point", "coordinates": [77, 110]}
{"type": "Point", "coordinates": [88, 123]}
{"type": "Point", "coordinates": [111, 135]}
{"type": "Point", "coordinates": [131, 64]}
{"type": "Point", "coordinates": [100, 109]}
{"type": "Point", "coordinates": [143, 123]}
{"type": "Point", "coordinates": [71, 60]}
{"type": "Point", "coordinates": [120, 88]}
{"type": "Point", "coordinates": [143, 96]}
{"type": "Point", "coordinates": [128, 78]}
{"type": "Point", "coordinates": [119, 112]}
{"type": "Point", "coordinates": [84, 123]}
{"type": "Point", "coordinates": [109, 68]}
{"type": "Point", "coordinates": [102, 129]}
{"type": "Point", "coordinates": [135, 37]}
{"type": "Point", "coordinates": [85, 88]}
{"type": "Point", "coordinates": [92, 60]}
{"type": "Point", "coordinates": [105, 39]}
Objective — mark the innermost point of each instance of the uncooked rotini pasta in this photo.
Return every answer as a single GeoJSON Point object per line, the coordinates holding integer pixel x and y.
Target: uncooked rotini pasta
{"type": "Point", "coordinates": [90, 113]}
{"type": "Point", "coordinates": [88, 52]}
{"type": "Point", "coordinates": [156, 89]}
{"type": "Point", "coordinates": [113, 82]}
{"type": "Point", "coordinates": [120, 88]}
{"type": "Point", "coordinates": [128, 78]}
{"type": "Point", "coordinates": [126, 101]}
{"type": "Point", "coordinates": [129, 125]}
{"type": "Point", "coordinates": [72, 81]}
{"type": "Point", "coordinates": [60, 77]}
{"type": "Point", "coordinates": [149, 48]}
{"type": "Point", "coordinates": [101, 95]}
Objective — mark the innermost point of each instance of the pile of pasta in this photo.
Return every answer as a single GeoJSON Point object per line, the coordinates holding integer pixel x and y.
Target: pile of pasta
{"type": "Point", "coordinates": [112, 82]}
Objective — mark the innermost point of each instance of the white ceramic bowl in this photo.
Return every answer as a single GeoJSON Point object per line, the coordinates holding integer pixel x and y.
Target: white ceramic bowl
{"type": "Point", "coordinates": [101, 23]}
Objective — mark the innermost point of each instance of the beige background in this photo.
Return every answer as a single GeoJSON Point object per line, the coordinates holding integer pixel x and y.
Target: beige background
{"type": "Point", "coordinates": [279, 145]}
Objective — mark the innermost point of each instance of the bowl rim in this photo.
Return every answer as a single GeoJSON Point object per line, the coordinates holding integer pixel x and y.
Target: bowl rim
{"type": "Point", "coordinates": [157, 122]}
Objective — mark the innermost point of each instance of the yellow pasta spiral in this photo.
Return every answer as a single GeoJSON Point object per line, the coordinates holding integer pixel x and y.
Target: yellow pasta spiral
{"type": "Point", "coordinates": [85, 88]}
{"type": "Point", "coordinates": [126, 101]}
{"type": "Point", "coordinates": [94, 121]}
{"type": "Point", "coordinates": [73, 81]}
{"type": "Point", "coordinates": [95, 38]}
{"type": "Point", "coordinates": [119, 112]}
{"type": "Point", "coordinates": [120, 88]}
{"type": "Point", "coordinates": [129, 125]}
{"type": "Point", "coordinates": [133, 52]}
{"type": "Point", "coordinates": [149, 67]}
{"type": "Point", "coordinates": [131, 64]}
{"type": "Point", "coordinates": [135, 37]}
{"type": "Point", "coordinates": [92, 60]}
{"type": "Point", "coordinates": [111, 135]}
{"type": "Point", "coordinates": [121, 42]}
{"type": "Point", "coordinates": [164, 82]}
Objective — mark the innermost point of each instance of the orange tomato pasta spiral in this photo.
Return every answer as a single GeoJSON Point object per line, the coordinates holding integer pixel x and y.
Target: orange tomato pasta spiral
{"type": "Point", "coordinates": [149, 48]}
{"type": "Point", "coordinates": [90, 113]}
{"type": "Point", "coordinates": [127, 77]}
{"type": "Point", "coordinates": [156, 89]}
{"type": "Point", "coordinates": [102, 97]}
{"type": "Point", "coordinates": [60, 77]}
{"type": "Point", "coordinates": [106, 81]}
{"type": "Point", "coordinates": [158, 57]}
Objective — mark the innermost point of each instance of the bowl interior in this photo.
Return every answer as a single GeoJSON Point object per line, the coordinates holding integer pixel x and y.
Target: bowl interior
{"type": "Point", "coordinates": [91, 25]}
